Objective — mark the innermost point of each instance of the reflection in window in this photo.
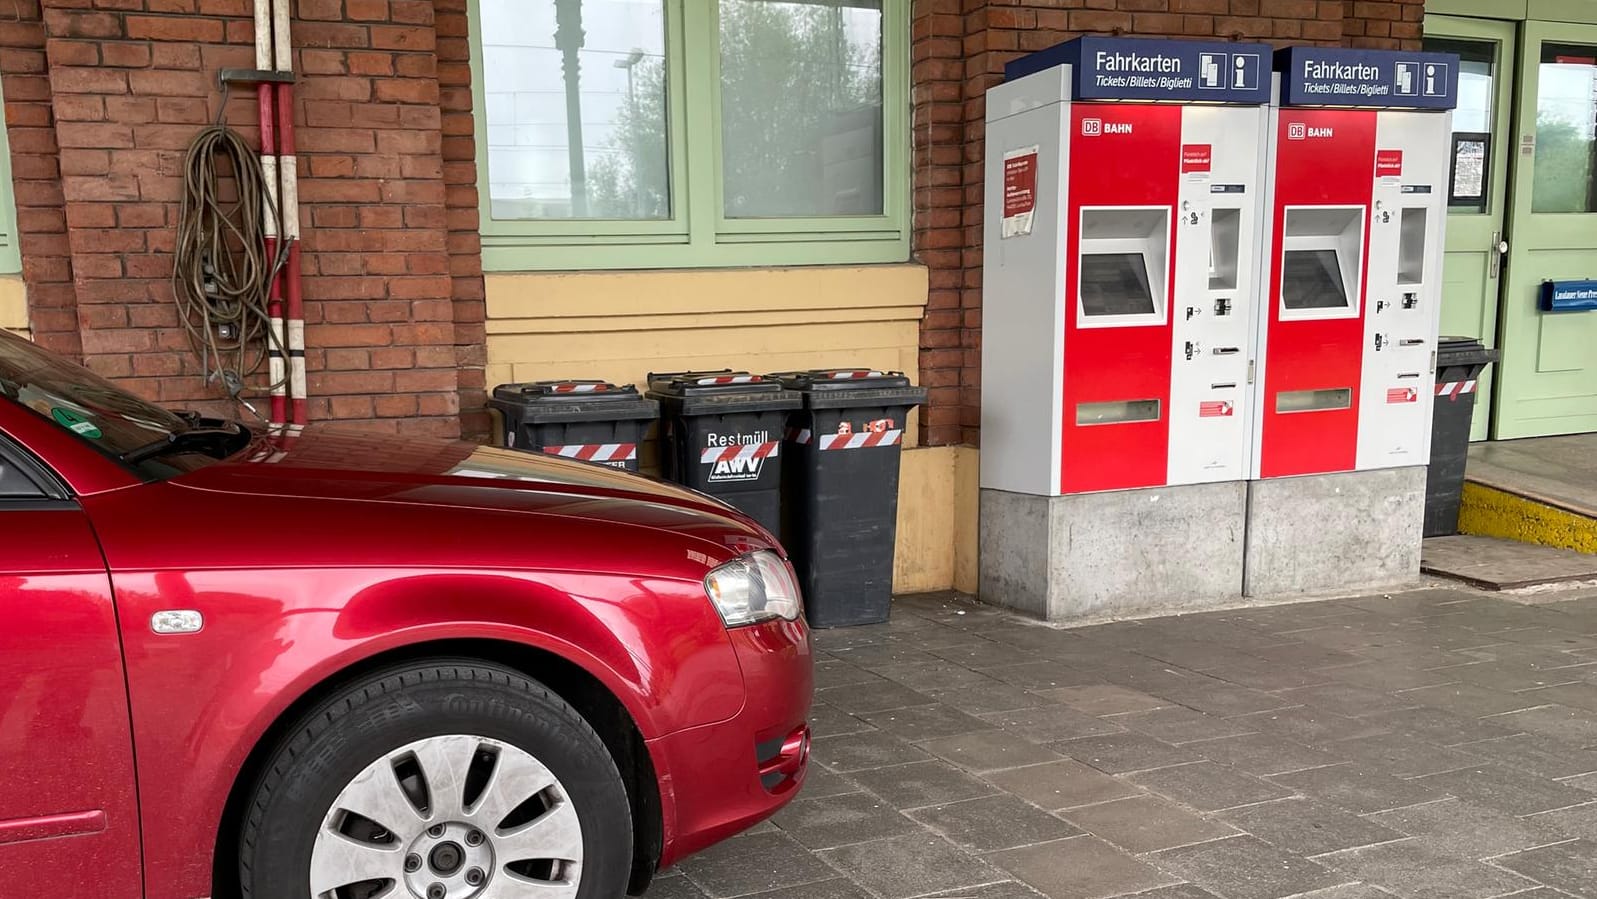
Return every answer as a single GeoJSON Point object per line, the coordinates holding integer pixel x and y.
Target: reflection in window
{"type": "Point", "coordinates": [575, 97]}
{"type": "Point", "coordinates": [1472, 121]}
{"type": "Point", "coordinates": [1566, 114]}
{"type": "Point", "coordinates": [801, 107]}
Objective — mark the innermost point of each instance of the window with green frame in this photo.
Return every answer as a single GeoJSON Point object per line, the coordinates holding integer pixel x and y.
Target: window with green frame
{"type": "Point", "coordinates": [10, 258]}
{"type": "Point", "coordinates": [616, 134]}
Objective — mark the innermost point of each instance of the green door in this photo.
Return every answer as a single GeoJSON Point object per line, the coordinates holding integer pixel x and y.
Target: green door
{"type": "Point", "coordinates": [1478, 195]}
{"type": "Point", "coordinates": [1547, 380]}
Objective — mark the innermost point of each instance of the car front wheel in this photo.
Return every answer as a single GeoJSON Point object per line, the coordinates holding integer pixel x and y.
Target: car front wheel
{"type": "Point", "coordinates": [439, 780]}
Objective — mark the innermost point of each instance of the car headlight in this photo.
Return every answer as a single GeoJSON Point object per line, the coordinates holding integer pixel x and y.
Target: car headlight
{"type": "Point", "coordinates": [753, 588]}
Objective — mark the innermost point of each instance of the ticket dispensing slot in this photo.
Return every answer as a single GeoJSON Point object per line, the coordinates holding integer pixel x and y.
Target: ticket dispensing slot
{"type": "Point", "coordinates": [1121, 273]}
{"type": "Point", "coordinates": [1313, 400]}
{"type": "Point", "coordinates": [1321, 257]}
{"type": "Point", "coordinates": [1411, 252]}
{"type": "Point", "coordinates": [1117, 412]}
{"type": "Point", "coordinates": [1225, 234]}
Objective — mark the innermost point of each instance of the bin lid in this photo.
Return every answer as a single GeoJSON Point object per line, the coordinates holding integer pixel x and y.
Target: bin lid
{"type": "Point", "coordinates": [585, 389]}
{"type": "Point", "coordinates": [840, 379]}
{"type": "Point", "coordinates": [720, 392]}
{"type": "Point", "coordinates": [573, 400]}
{"type": "Point", "coordinates": [1452, 351]}
{"type": "Point", "coordinates": [710, 383]}
{"type": "Point", "coordinates": [842, 388]}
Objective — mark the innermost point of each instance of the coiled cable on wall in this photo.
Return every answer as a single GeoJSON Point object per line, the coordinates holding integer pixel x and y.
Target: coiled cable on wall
{"type": "Point", "coordinates": [221, 274]}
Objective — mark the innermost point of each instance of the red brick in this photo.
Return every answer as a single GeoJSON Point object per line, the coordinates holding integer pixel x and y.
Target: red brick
{"type": "Point", "coordinates": [188, 29]}
{"type": "Point", "coordinates": [87, 80]}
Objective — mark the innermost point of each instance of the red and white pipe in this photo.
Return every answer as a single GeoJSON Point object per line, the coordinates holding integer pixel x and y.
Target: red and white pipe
{"type": "Point", "coordinates": [285, 303]}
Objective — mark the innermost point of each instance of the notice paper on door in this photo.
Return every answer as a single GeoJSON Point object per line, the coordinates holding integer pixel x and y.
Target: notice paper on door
{"type": "Point", "coordinates": [1020, 191]}
{"type": "Point", "coordinates": [1469, 169]}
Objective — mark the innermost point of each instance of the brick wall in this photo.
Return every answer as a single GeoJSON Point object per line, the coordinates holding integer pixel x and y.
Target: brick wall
{"type": "Point", "coordinates": [1386, 24]}
{"type": "Point", "coordinates": [460, 203]}
{"type": "Point", "coordinates": [102, 97]}
{"type": "Point", "coordinates": [108, 94]}
{"type": "Point", "coordinates": [36, 177]}
{"type": "Point", "coordinates": [959, 48]}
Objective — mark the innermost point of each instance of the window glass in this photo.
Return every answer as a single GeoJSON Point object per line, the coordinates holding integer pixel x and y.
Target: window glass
{"type": "Point", "coordinates": [14, 482]}
{"type": "Point", "coordinates": [1566, 114]}
{"type": "Point", "coordinates": [575, 97]}
{"type": "Point", "coordinates": [801, 107]}
{"type": "Point", "coordinates": [98, 412]}
{"type": "Point", "coordinates": [1473, 121]}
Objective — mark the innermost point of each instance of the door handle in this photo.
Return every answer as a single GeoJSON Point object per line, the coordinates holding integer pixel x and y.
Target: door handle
{"type": "Point", "coordinates": [1495, 255]}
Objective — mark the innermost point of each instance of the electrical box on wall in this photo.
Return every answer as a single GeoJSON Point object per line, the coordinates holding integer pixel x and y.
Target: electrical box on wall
{"type": "Point", "coordinates": [1357, 190]}
{"type": "Point", "coordinates": [1120, 265]}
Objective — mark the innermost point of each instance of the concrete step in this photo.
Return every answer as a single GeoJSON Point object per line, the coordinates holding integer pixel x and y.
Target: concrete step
{"type": "Point", "coordinates": [1540, 490]}
{"type": "Point", "coordinates": [1496, 564]}
{"type": "Point", "coordinates": [1502, 511]}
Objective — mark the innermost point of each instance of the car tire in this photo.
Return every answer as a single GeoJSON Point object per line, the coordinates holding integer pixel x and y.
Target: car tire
{"type": "Point", "coordinates": [441, 748]}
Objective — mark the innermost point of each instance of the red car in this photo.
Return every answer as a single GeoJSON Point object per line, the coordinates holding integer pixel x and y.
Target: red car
{"type": "Point", "coordinates": [351, 667]}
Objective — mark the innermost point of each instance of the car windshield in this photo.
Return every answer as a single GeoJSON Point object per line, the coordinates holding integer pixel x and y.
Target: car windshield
{"type": "Point", "coordinates": [75, 399]}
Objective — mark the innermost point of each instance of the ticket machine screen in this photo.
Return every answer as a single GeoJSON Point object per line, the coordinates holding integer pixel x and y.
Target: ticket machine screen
{"type": "Point", "coordinates": [1115, 284]}
{"type": "Point", "coordinates": [1312, 279]}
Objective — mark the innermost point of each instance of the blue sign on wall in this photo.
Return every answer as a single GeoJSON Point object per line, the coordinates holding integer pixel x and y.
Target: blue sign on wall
{"type": "Point", "coordinates": [1127, 68]}
{"type": "Point", "coordinates": [1384, 79]}
{"type": "Point", "coordinates": [1569, 296]}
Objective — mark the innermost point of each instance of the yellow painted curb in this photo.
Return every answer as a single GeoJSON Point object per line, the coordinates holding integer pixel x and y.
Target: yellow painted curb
{"type": "Point", "coordinates": [1489, 512]}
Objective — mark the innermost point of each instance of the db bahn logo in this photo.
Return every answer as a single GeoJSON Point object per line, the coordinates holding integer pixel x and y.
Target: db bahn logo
{"type": "Point", "coordinates": [1300, 131]}
{"type": "Point", "coordinates": [1095, 127]}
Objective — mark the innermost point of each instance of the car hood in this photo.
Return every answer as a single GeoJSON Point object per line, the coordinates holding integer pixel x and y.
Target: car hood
{"type": "Point", "coordinates": [328, 463]}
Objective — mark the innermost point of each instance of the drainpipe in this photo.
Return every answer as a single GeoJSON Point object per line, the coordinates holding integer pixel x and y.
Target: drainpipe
{"type": "Point", "coordinates": [569, 39]}
{"type": "Point", "coordinates": [276, 341]}
{"type": "Point", "coordinates": [288, 172]}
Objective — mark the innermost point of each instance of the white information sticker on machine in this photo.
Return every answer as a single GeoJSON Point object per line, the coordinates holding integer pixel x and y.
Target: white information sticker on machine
{"type": "Point", "coordinates": [1020, 190]}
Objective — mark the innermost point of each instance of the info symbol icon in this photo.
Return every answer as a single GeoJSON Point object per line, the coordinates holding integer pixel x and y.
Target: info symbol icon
{"type": "Point", "coordinates": [1296, 131]}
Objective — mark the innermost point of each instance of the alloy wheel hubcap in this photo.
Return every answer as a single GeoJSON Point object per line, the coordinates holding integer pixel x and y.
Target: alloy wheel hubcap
{"type": "Point", "coordinates": [449, 817]}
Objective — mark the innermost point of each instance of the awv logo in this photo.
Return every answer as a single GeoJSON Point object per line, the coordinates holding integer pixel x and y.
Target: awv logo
{"type": "Point", "coordinates": [738, 468]}
{"type": "Point", "coordinates": [1091, 127]}
{"type": "Point", "coordinates": [1296, 131]}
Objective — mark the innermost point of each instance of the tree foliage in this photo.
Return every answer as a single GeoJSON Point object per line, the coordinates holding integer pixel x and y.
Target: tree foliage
{"type": "Point", "coordinates": [792, 74]}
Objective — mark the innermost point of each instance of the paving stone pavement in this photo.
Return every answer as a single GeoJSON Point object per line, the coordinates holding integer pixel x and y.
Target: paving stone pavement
{"type": "Point", "coordinates": [1432, 744]}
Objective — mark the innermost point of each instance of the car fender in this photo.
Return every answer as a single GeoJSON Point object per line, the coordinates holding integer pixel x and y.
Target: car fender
{"type": "Point", "coordinates": [202, 702]}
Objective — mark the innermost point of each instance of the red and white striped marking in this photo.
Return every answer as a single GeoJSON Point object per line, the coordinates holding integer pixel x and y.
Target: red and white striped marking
{"type": "Point", "coordinates": [1455, 389]}
{"type": "Point", "coordinates": [800, 435]}
{"type": "Point", "coordinates": [728, 379]}
{"type": "Point", "coordinates": [577, 387]}
{"type": "Point", "coordinates": [596, 452]}
{"type": "Point", "coordinates": [861, 440]}
{"type": "Point", "coordinates": [713, 454]}
{"type": "Point", "coordinates": [1396, 395]}
{"type": "Point", "coordinates": [1216, 409]}
{"type": "Point", "coordinates": [854, 374]}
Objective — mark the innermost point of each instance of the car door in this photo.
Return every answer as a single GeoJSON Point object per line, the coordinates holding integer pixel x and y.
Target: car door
{"type": "Point", "coordinates": [68, 802]}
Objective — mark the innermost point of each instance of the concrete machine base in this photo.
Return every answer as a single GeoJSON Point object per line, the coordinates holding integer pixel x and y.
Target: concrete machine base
{"type": "Point", "coordinates": [1125, 552]}
{"type": "Point", "coordinates": [1327, 532]}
